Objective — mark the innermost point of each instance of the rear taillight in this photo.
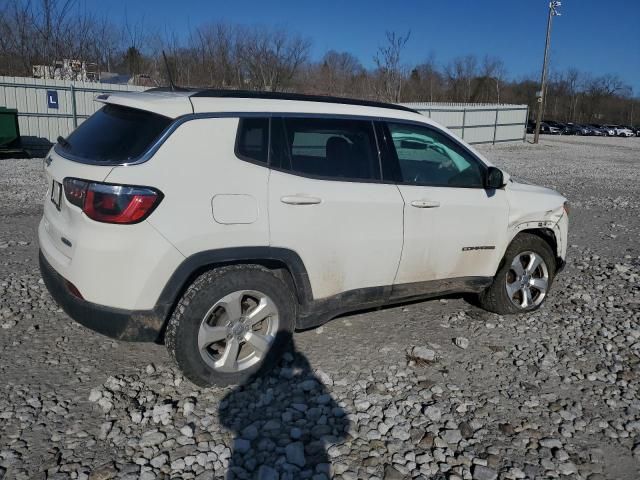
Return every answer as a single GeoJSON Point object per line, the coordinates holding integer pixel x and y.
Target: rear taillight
{"type": "Point", "coordinates": [123, 204]}
{"type": "Point", "coordinates": [75, 190]}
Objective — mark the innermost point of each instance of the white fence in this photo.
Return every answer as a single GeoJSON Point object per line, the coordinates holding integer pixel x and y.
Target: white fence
{"type": "Point", "coordinates": [49, 108]}
{"type": "Point", "coordinates": [478, 123]}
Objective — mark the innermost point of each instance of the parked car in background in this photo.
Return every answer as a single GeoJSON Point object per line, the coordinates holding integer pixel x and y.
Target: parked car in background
{"type": "Point", "coordinates": [593, 130]}
{"type": "Point", "coordinates": [598, 131]}
{"type": "Point", "coordinates": [575, 129]}
{"type": "Point", "coordinates": [608, 130]}
{"type": "Point", "coordinates": [550, 128]}
{"type": "Point", "coordinates": [569, 129]}
{"type": "Point", "coordinates": [622, 131]}
{"type": "Point", "coordinates": [634, 130]}
{"type": "Point", "coordinates": [555, 124]}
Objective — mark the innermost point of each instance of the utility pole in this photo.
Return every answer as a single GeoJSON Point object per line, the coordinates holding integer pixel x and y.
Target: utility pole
{"type": "Point", "coordinates": [553, 11]}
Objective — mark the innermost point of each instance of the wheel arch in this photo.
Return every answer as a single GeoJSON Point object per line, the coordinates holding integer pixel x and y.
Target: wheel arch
{"type": "Point", "coordinates": [544, 233]}
{"type": "Point", "coordinates": [286, 263]}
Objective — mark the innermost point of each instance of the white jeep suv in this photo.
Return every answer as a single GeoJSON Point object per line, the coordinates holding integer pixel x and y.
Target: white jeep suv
{"type": "Point", "coordinates": [221, 221]}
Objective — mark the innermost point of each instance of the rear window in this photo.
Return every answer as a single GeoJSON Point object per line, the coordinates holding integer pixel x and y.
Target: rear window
{"type": "Point", "coordinates": [115, 134]}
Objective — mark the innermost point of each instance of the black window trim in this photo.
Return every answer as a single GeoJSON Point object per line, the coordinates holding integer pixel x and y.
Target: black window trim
{"type": "Point", "coordinates": [386, 158]}
{"type": "Point", "coordinates": [391, 155]}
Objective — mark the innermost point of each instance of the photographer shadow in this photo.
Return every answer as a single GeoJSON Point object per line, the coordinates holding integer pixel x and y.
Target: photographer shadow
{"type": "Point", "coordinates": [283, 420]}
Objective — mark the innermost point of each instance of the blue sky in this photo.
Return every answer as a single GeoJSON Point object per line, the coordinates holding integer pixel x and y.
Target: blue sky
{"type": "Point", "coordinates": [592, 36]}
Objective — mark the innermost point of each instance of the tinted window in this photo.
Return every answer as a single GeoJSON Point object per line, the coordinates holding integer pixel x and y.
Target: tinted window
{"type": "Point", "coordinates": [253, 139]}
{"type": "Point", "coordinates": [333, 148]}
{"type": "Point", "coordinates": [427, 157]}
{"type": "Point", "coordinates": [115, 134]}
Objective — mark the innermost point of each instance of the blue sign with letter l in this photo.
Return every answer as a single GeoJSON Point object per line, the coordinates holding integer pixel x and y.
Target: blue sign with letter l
{"type": "Point", "coordinates": [52, 99]}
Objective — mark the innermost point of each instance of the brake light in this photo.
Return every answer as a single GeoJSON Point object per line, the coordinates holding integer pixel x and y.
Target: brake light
{"type": "Point", "coordinates": [75, 190]}
{"type": "Point", "coordinates": [107, 203]}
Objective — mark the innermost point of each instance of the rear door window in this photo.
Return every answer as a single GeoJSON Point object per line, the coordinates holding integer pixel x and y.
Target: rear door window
{"type": "Point", "coordinates": [333, 149]}
{"type": "Point", "coordinates": [114, 135]}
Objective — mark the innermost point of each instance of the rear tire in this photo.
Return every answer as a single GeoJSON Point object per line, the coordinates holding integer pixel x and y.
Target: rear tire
{"type": "Point", "coordinates": [232, 323]}
{"type": "Point", "coordinates": [518, 287]}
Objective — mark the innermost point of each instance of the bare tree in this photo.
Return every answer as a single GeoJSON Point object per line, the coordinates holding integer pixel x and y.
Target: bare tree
{"type": "Point", "coordinates": [492, 73]}
{"type": "Point", "coordinates": [337, 73]}
{"type": "Point", "coordinates": [134, 40]}
{"type": "Point", "coordinates": [45, 32]}
{"type": "Point", "coordinates": [16, 30]}
{"type": "Point", "coordinates": [270, 58]}
{"type": "Point", "coordinates": [601, 90]}
{"type": "Point", "coordinates": [215, 49]}
{"type": "Point", "coordinates": [573, 83]}
{"type": "Point", "coordinates": [425, 82]}
{"type": "Point", "coordinates": [390, 72]}
{"type": "Point", "coordinates": [461, 72]}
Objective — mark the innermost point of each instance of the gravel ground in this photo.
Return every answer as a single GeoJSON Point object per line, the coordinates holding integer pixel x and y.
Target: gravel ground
{"type": "Point", "coordinates": [554, 394]}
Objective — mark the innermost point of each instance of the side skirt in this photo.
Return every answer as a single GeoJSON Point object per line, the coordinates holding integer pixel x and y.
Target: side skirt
{"type": "Point", "coordinates": [322, 310]}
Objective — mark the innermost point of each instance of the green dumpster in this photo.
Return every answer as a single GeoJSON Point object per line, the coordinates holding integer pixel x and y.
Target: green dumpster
{"type": "Point", "coordinates": [9, 130]}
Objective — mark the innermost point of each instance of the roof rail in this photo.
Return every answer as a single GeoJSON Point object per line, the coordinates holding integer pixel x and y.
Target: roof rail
{"type": "Point", "coordinates": [169, 89]}
{"type": "Point", "coordinates": [217, 93]}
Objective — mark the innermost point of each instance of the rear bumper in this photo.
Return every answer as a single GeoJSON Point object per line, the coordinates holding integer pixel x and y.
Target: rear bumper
{"type": "Point", "coordinates": [129, 325]}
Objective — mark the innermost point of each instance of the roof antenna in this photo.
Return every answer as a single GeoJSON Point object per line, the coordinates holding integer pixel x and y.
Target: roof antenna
{"type": "Point", "coordinates": [166, 64]}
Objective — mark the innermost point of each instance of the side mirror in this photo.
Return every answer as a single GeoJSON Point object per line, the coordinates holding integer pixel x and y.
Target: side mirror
{"type": "Point", "coordinates": [495, 178]}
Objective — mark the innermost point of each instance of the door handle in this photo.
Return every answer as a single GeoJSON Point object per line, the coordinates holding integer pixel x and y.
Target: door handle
{"type": "Point", "coordinates": [425, 204]}
{"type": "Point", "coordinates": [300, 200]}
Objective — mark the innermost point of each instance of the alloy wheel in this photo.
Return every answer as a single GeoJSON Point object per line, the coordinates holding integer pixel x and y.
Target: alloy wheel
{"type": "Point", "coordinates": [527, 281]}
{"type": "Point", "coordinates": [238, 330]}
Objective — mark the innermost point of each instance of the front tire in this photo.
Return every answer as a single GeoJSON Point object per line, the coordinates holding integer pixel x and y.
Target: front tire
{"type": "Point", "coordinates": [231, 323]}
{"type": "Point", "coordinates": [523, 279]}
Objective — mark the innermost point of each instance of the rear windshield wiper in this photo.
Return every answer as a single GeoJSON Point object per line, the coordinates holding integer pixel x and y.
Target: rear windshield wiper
{"type": "Point", "coordinates": [64, 142]}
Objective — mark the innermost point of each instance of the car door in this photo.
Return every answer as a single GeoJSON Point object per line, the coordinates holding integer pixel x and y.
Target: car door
{"type": "Point", "coordinates": [453, 226]}
{"type": "Point", "coordinates": [328, 204]}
